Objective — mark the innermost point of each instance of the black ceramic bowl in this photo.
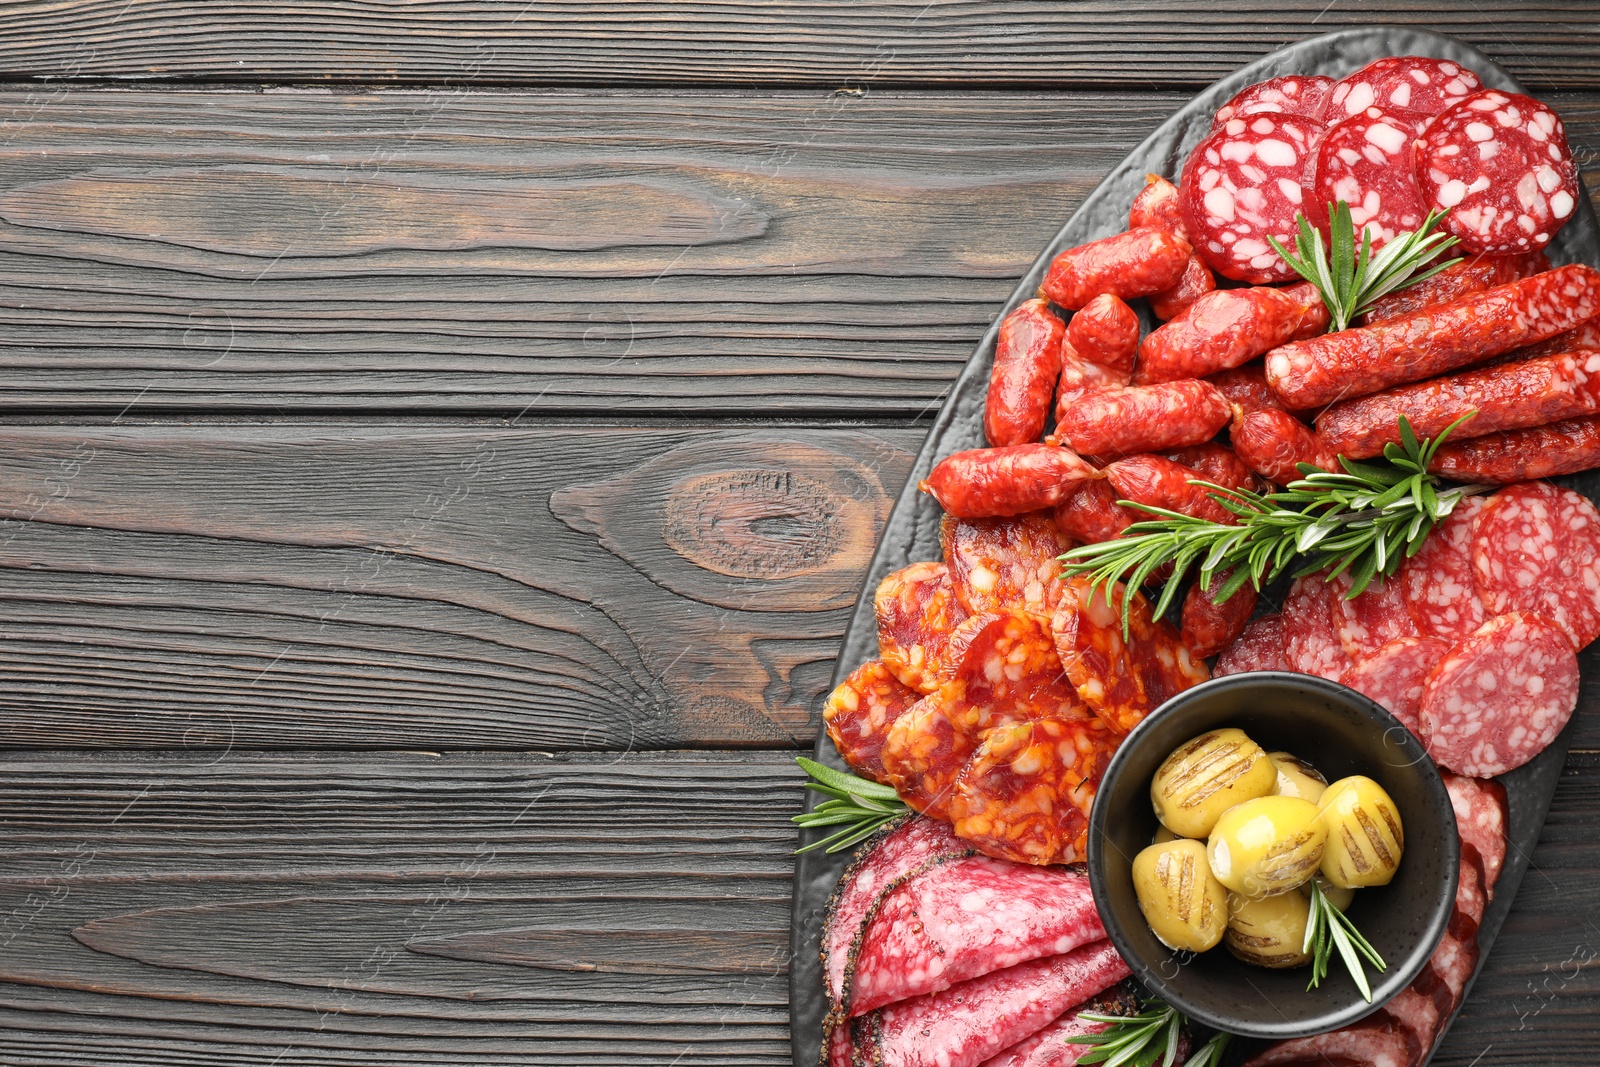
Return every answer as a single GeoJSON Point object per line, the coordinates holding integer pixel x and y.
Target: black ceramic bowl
{"type": "Point", "coordinates": [1341, 733]}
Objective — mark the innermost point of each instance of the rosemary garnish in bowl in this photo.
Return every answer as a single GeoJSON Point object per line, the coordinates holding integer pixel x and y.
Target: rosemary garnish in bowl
{"type": "Point", "coordinates": [1144, 1039]}
{"type": "Point", "coordinates": [858, 806]}
{"type": "Point", "coordinates": [1366, 519]}
{"type": "Point", "coordinates": [1349, 279]}
{"type": "Point", "coordinates": [1328, 929]}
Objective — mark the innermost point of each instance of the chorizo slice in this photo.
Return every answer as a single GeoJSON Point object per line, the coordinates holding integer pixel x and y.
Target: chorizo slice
{"type": "Point", "coordinates": [917, 607]}
{"type": "Point", "coordinates": [1004, 564]}
{"type": "Point", "coordinates": [859, 713]}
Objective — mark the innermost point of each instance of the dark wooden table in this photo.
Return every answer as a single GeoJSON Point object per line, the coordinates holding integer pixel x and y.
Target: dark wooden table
{"type": "Point", "coordinates": [440, 443]}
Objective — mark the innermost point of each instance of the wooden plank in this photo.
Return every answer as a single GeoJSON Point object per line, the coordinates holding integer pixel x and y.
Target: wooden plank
{"type": "Point", "coordinates": [795, 253]}
{"type": "Point", "coordinates": [268, 908]}
{"type": "Point", "coordinates": [430, 586]}
{"type": "Point", "coordinates": [1158, 42]}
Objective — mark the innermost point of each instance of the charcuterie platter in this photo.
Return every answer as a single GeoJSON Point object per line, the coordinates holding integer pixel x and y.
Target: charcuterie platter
{"type": "Point", "coordinates": [1298, 377]}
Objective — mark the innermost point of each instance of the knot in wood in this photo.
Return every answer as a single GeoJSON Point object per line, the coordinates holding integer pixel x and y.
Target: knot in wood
{"type": "Point", "coordinates": [751, 523]}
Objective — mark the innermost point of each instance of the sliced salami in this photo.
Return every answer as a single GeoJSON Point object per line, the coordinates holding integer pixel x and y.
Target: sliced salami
{"type": "Point", "coordinates": [859, 712]}
{"type": "Point", "coordinates": [1393, 675]}
{"type": "Point", "coordinates": [1417, 1017]}
{"type": "Point", "coordinates": [1536, 547]}
{"type": "Point", "coordinates": [1368, 1043]}
{"type": "Point", "coordinates": [1122, 680]}
{"type": "Point", "coordinates": [1499, 697]}
{"type": "Point", "coordinates": [1437, 583]}
{"type": "Point", "coordinates": [917, 607]}
{"type": "Point", "coordinates": [997, 804]}
{"type": "Point", "coordinates": [838, 1049]}
{"type": "Point", "coordinates": [1055, 1045]}
{"type": "Point", "coordinates": [1481, 818]}
{"type": "Point", "coordinates": [1471, 899]}
{"type": "Point", "coordinates": [1452, 964]}
{"type": "Point", "coordinates": [1243, 184]}
{"type": "Point", "coordinates": [1500, 163]}
{"type": "Point", "coordinates": [1004, 564]}
{"type": "Point", "coordinates": [1411, 83]}
{"type": "Point", "coordinates": [1371, 620]}
{"type": "Point", "coordinates": [1310, 641]}
{"type": "Point", "coordinates": [1368, 162]}
{"type": "Point", "coordinates": [967, 918]}
{"type": "Point", "coordinates": [968, 1023]}
{"type": "Point", "coordinates": [1259, 648]}
{"type": "Point", "coordinates": [1293, 94]}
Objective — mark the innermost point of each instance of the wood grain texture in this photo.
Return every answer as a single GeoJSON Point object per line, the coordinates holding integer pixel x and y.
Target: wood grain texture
{"type": "Point", "coordinates": [430, 586]}
{"type": "Point", "coordinates": [796, 253]}
{"type": "Point", "coordinates": [650, 42]}
{"type": "Point", "coordinates": [249, 908]}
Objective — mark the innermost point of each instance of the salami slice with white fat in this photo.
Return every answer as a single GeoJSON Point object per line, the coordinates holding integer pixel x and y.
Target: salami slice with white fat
{"type": "Point", "coordinates": [1373, 618]}
{"type": "Point", "coordinates": [1372, 1042]}
{"type": "Point", "coordinates": [1417, 1017]}
{"type": "Point", "coordinates": [1293, 94]}
{"type": "Point", "coordinates": [1311, 642]}
{"type": "Point", "coordinates": [1368, 162]}
{"type": "Point", "coordinates": [1499, 697]}
{"type": "Point", "coordinates": [968, 918]}
{"type": "Point", "coordinates": [1057, 1045]}
{"type": "Point", "coordinates": [1411, 83]}
{"type": "Point", "coordinates": [1259, 648]}
{"type": "Point", "coordinates": [1481, 818]}
{"type": "Point", "coordinates": [1393, 676]}
{"type": "Point", "coordinates": [1437, 583]}
{"type": "Point", "coordinates": [1536, 547]}
{"type": "Point", "coordinates": [968, 1023]}
{"type": "Point", "coordinates": [1241, 185]}
{"type": "Point", "coordinates": [1500, 163]}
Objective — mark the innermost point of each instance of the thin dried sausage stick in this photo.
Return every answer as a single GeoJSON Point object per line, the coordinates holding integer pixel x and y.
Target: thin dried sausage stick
{"type": "Point", "coordinates": [1208, 627]}
{"type": "Point", "coordinates": [1135, 263]}
{"type": "Point", "coordinates": [1564, 447]}
{"type": "Point", "coordinates": [1157, 482]}
{"type": "Point", "coordinates": [1453, 283]}
{"type": "Point", "coordinates": [1196, 282]}
{"type": "Point", "coordinates": [1147, 418]}
{"type": "Point", "coordinates": [1027, 361]}
{"type": "Point", "coordinates": [1273, 444]}
{"type": "Point", "coordinates": [1106, 331]}
{"type": "Point", "coordinates": [1220, 331]}
{"type": "Point", "coordinates": [986, 483]}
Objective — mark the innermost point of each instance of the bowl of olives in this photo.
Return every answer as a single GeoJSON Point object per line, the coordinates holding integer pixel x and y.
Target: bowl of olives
{"type": "Point", "coordinates": [1244, 811]}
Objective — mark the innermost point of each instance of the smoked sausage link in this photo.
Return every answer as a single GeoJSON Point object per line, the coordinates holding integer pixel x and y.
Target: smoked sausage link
{"type": "Point", "coordinates": [1272, 442]}
{"type": "Point", "coordinates": [1217, 463]}
{"type": "Point", "coordinates": [1135, 263]}
{"type": "Point", "coordinates": [1246, 387]}
{"type": "Point", "coordinates": [1564, 447]}
{"type": "Point", "coordinates": [1080, 377]}
{"type": "Point", "coordinates": [1157, 206]}
{"type": "Point", "coordinates": [1106, 331]}
{"type": "Point", "coordinates": [1149, 418]}
{"type": "Point", "coordinates": [1221, 330]}
{"type": "Point", "coordinates": [1433, 340]}
{"type": "Point", "coordinates": [1510, 396]}
{"type": "Point", "coordinates": [1027, 361]}
{"type": "Point", "coordinates": [1208, 627]}
{"type": "Point", "coordinates": [1157, 482]}
{"type": "Point", "coordinates": [1453, 283]}
{"type": "Point", "coordinates": [984, 483]}
{"type": "Point", "coordinates": [1196, 282]}
{"type": "Point", "coordinates": [1090, 513]}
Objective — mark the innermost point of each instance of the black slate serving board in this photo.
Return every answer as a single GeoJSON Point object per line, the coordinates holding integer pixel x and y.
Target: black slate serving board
{"type": "Point", "coordinates": [912, 532]}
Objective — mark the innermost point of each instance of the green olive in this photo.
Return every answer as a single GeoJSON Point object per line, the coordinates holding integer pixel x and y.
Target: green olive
{"type": "Point", "coordinates": [1206, 777]}
{"type": "Point", "coordinates": [1339, 896]}
{"type": "Point", "coordinates": [1365, 837]}
{"type": "Point", "coordinates": [1185, 907]}
{"type": "Point", "coordinates": [1267, 845]}
{"type": "Point", "coordinates": [1269, 931]}
{"type": "Point", "coordinates": [1296, 777]}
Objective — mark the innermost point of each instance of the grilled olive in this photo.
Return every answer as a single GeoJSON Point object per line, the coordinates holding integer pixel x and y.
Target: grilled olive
{"type": "Point", "coordinates": [1296, 777]}
{"type": "Point", "coordinates": [1269, 931]}
{"type": "Point", "coordinates": [1338, 895]}
{"type": "Point", "coordinates": [1185, 907]}
{"type": "Point", "coordinates": [1206, 777]}
{"type": "Point", "coordinates": [1267, 845]}
{"type": "Point", "coordinates": [1365, 838]}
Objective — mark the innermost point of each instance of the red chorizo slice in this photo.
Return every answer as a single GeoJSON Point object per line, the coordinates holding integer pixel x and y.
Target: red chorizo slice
{"type": "Point", "coordinates": [1437, 583]}
{"type": "Point", "coordinates": [994, 482]}
{"type": "Point", "coordinates": [1293, 94]}
{"type": "Point", "coordinates": [859, 713]}
{"type": "Point", "coordinates": [968, 1023]}
{"type": "Point", "coordinates": [1259, 648]}
{"type": "Point", "coordinates": [1274, 443]}
{"type": "Point", "coordinates": [1196, 282]}
{"type": "Point", "coordinates": [1393, 674]}
{"type": "Point", "coordinates": [1208, 627]}
{"type": "Point", "coordinates": [1026, 793]}
{"type": "Point", "coordinates": [926, 748]}
{"type": "Point", "coordinates": [1433, 340]}
{"type": "Point", "coordinates": [1469, 276]}
{"type": "Point", "coordinates": [1510, 396]}
{"type": "Point", "coordinates": [1414, 83]}
{"type": "Point", "coordinates": [1500, 164]}
{"type": "Point", "coordinates": [968, 918]}
{"type": "Point", "coordinates": [1221, 330]}
{"type": "Point", "coordinates": [1150, 418]}
{"type": "Point", "coordinates": [1004, 564]}
{"type": "Point", "coordinates": [1372, 619]}
{"type": "Point", "coordinates": [1367, 161]}
{"type": "Point", "coordinates": [1157, 482]}
{"type": "Point", "coordinates": [1007, 671]}
{"type": "Point", "coordinates": [1135, 263]}
{"type": "Point", "coordinates": [1080, 377]}
{"type": "Point", "coordinates": [1564, 447]}
{"type": "Point", "coordinates": [917, 607]}
{"type": "Point", "coordinates": [1091, 514]}
{"type": "Point", "coordinates": [1027, 361]}
{"type": "Point", "coordinates": [1156, 207]}
{"type": "Point", "coordinates": [1536, 547]}
{"type": "Point", "coordinates": [1121, 680]}
{"type": "Point", "coordinates": [1246, 387]}
{"type": "Point", "coordinates": [1311, 641]}
{"type": "Point", "coordinates": [1106, 331]}
{"type": "Point", "coordinates": [1501, 696]}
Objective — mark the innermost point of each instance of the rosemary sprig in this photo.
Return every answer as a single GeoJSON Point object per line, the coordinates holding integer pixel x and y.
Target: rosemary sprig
{"type": "Point", "coordinates": [1366, 519]}
{"type": "Point", "coordinates": [1351, 279]}
{"type": "Point", "coordinates": [1140, 1040]}
{"type": "Point", "coordinates": [859, 806]}
{"type": "Point", "coordinates": [1329, 929]}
